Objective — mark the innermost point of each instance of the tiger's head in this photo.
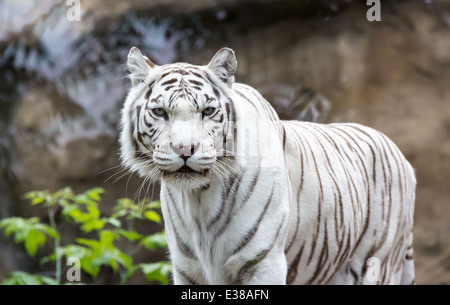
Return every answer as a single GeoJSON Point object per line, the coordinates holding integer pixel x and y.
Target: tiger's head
{"type": "Point", "coordinates": [176, 120]}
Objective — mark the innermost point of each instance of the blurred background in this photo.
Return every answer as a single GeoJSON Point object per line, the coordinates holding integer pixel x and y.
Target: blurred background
{"type": "Point", "coordinates": [62, 87]}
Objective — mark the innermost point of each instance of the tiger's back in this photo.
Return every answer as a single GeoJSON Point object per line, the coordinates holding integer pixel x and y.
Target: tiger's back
{"type": "Point", "coordinates": [352, 195]}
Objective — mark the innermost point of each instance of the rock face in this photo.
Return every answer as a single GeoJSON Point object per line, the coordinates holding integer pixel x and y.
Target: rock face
{"type": "Point", "coordinates": [321, 61]}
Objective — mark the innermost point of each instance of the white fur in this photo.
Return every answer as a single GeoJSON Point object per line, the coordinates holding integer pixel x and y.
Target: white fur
{"type": "Point", "coordinates": [330, 199]}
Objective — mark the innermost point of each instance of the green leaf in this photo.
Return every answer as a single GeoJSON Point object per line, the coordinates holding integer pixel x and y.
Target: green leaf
{"type": "Point", "coordinates": [33, 241]}
{"type": "Point", "coordinates": [112, 257]}
{"type": "Point", "coordinates": [20, 235]}
{"type": "Point", "coordinates": [48, 280]}
{"type": "Point", "coordinates": [92, 225]}
{"type": "Point", "coordinates": [114, 221]}
{"type": "Point", "coordinates": [65, 194]}
{"type": "Point", "coordinates": [113, 263]}
{"type": "Point", "coordinates": [11, 227]}
{"type": "Point", "coordinates": [103, 252]}
{"type": "Point", "coordinates": [78, 216]}
{"type": "Point", "coordinates": [130, 235]}
{"type": "Point", "coordinates": [90, 219]}
{"type": "Point", "coordinates": [24, 278]}
{"type": "Point", "coordinates": [81, 198]}
{"type": "Point", "coordinates": [30, 231]}
{"type": "Point", "coordinates": [51, 232]}
{"type": "Point", "coordinates": [88, 242]}
{"type": "Point", "coordinates": [153, 216]}
{"type": "Point", "coordinates": [153, 205]}
{"type": "Point", "coordinates": [93, 211]}
{"type": "Point", "coordinates": [125, 260]}
{"type": "Point", "coordinates": [64, 203]}
{"type": "Point", "coordinates": [95, 193]}
{"type": "Point", "coordinates": [45, 197]}
{"type": "Point", "coordinates": [126, 206]}
{"type": "Point", "coordinates": [157, 271]}
{"type": "Point", "coordinates": [37, 200]}
{"type": "Point", "coordinates": [154, 241]}
{"type": "Point", "coordinates": [119, 213]}
{"type": "Point", "coordinates": [75, 250]}
{"type": "Point", "coordinates": [48, 258]}
{"type": "Point", "coordinates": [88, 266]}
{"type": "Point", "coordinates": [124, 203]}
{"type": "Point", "coordinates": [29, 195]}
{"type": "Point", "coordinates": [107, 237]}
{"type": "Point", "coordinates": [67, 208]}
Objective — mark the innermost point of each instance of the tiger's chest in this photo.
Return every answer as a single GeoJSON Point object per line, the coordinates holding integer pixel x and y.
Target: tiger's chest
{"type": "Point", "coordinates": [218, 232]}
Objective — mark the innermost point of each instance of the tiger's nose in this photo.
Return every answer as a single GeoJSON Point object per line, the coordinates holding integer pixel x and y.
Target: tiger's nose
{"type": "Point", "coordinates": [184, 151]}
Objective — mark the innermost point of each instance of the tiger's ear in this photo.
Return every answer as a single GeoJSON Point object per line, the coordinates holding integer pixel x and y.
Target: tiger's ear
{"type": "Point", "coordinates": [224, 65]}
{"type": "Point", "coordinates": [139, 66]}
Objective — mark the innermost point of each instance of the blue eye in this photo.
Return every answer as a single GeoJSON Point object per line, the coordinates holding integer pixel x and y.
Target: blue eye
{"type": "Point", "coordinates": [159, 112]}
{"type": "Point", "coordinates": [208, 111]}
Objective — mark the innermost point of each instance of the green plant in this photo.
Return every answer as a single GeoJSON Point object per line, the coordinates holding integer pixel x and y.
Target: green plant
{"type": "Point", "coordinates": [92, 253]}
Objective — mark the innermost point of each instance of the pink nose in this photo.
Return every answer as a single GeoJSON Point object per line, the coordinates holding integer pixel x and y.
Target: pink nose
{"type": "Point", "coordinates": [184, 151]}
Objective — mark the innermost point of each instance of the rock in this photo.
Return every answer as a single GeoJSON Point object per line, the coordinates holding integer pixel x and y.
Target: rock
{"type": "Point", "coordinates": [54, 143]}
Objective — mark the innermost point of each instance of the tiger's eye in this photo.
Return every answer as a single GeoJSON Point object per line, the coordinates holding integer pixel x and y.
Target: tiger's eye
{"type": "Point", "coordinates": [208, 111]}
{"type": "Point", "coordinates": [159, 112]}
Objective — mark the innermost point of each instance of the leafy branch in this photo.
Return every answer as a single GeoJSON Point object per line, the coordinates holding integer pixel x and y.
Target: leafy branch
{"type": "Point", "coordinates": [92, 253]}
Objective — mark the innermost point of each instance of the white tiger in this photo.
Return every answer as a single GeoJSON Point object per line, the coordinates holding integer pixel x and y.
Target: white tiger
{"type": "Point", "coordinates": [250, 199]}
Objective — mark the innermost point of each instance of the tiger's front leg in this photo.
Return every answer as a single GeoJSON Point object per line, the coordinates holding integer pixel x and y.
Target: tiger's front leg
{"type": "Point", "coordinates": [264, 261]}
{"type": "Point", "coordinates": [262, 269]}
{"type": "Point", "coordinates": [187, 276]}
{"type": "Point", "coordinates": [186, 271]}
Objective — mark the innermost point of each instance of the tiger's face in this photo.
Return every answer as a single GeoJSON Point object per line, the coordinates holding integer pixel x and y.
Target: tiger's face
{"type": "Point", "coordinates": [176, 120]}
